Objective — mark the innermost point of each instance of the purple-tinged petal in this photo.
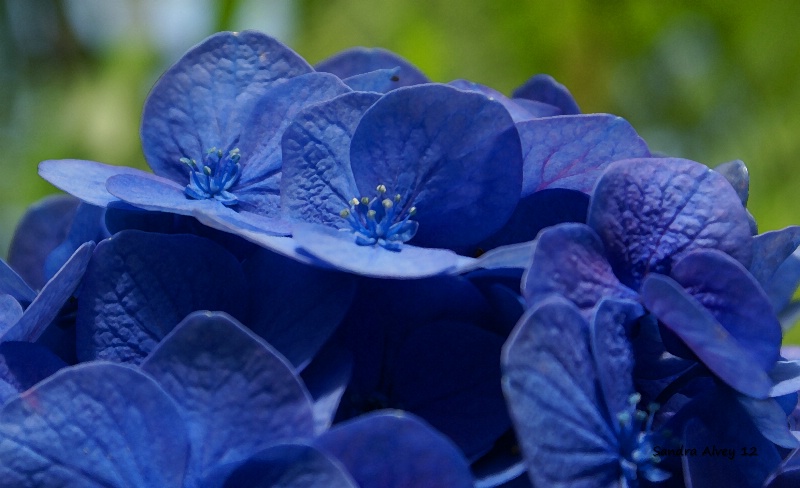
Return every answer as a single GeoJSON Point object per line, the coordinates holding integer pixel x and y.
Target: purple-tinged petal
{"type": "Point", "coordinates": [503, 257]}
{"type": "Point", "coordinates": [360, 60]}
{"type": "Point", "coordinates": [151, 192]}
{"type": "Point", "coordinates": [572, 151]}
{"type": "Point", "coordinates": [284, 466]}
{"type": "Point", "coordinates": [23, 364]}
{"type": "Point", "coordinates": [544, 88]}
{"type": "Point", "coordinates": [537, 211]}
{"type": "Point", "coordinates": [43, 227]}
{"type": "Point", "coordinates": [518, 112]}
{"type": "Point", "coordinates": [717, 349]}
{"type": "Point", "coordinates": [378, 81]}
{"type": "Point", "coordinates": [84, 179]}
{"type": "Point", "coordinates": [553, 398]}
{"type": "Point", "coordinates": [10, 312]}
{"type": "Point", "coordinates": [393, 449]}
{"type": "Point", "coordinates": [569, 260]}
{"type": "Point", "coordinates": [203, 101]}
{"type": "Point", "coordinates": [293, 306]}
{"type": "Point", "coordinates": [339, 250]}
{"type": "Point", "coordinates": [538, 109]}
{"type": "Point", "coordinates": [93, 425]}
{"type": "Point", "coordinates": [649, 211]}
{"type": "Point", "coordinates": [45, 307]}
{"type": "Point", "coordinates": [736, 174]}
{"type": "Point", "coordinates": [327, 378]}
{"type": "Point", "coordinates": [449, 375]}
{"type": "Point", "coordinates": [317, 182]}
{"type": "Point", "coordinates": [734, 298]}
{"type": "Point", "coordinates": [454, 155]}
{"type": "Point", "coordinates": [784, 282]}
{"type": "Point", "coordinates": [237, 394]}
{"type": "Point", "coordinates": [787, 475]}
{"type": "Point", "coordinates": [771, 250]}
{"type": "Point", "coordinates": [260, 143]}
{"type": "Point", "coordinates": [88, 224]}
{"type": "Point", "coordinates": [785, 375]}
{"type": "Point", "coordinates": [12, 284]}
{"type": "Point", "coordinates": [770, 419]}
{"type": "Point", "coordinates": [140, 285]}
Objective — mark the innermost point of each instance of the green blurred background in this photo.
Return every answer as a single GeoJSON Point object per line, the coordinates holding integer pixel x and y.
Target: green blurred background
{"type": "Point", "coordinates": [711, 80]}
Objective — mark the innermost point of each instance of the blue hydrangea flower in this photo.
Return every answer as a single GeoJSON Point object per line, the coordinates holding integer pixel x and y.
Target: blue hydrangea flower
{"type": "Point", "coordinates": [372, 69]}
{"type": "Point", "coordinates": [417, 165]}
{"type": "Point", "coordinates": [211, 130]}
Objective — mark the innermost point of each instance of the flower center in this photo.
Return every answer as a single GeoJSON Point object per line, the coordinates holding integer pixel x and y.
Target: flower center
{"type": "Point", "coordinates": [380, 220]}
{"type": "Point", "coordinates": [216, 174]}
{"type": "Point", "coordinates": [637, 441]}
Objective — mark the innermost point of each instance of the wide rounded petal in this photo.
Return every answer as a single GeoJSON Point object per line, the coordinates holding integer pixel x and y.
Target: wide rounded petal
{"type": "Point", "coordinates": [360, 60]}
{"type": "Point", "coordinates": [452, 154]}
{"type": "Point", "coordinates": [649, 211]}
{"type": "Point", "coordinates": [93, 425]}
{"type": "Point", "coordinates": [237, 394]}
{"type": "Point", "coordinates": [544, 88]}
{"type": "Point", "coordinates": [572, 151]}
{"type": "Point", "coordinates": [317, 182]}
{"type": "Point", "coordinates": [84, 179]}
{"type": "Point", "coordinates": [204, 99]}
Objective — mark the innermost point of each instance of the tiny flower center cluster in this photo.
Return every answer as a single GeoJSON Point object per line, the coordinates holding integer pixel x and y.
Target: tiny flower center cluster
{"type": "Point", "coordinates": [214, 176]}
{"type": "Point", "coordinates": [637, 441]}
{"type": "Point", "coordinates": [380, 220]}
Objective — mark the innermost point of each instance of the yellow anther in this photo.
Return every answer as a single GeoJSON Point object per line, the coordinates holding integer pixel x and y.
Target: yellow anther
{"type": "Point", "coordinates": [371, 214]}
{"type": "Point", "coordinates": [365, 200]}
{"type": "Point", "coordinates": [387, 204]}
{"type": "Point", "coordinates": [397, 198]}
{"type": "Point", "coordinates": [381, 189]}
{"type": "Point", "coordinates": [412, 211]}
{"type": "Point", "coordinates": [344, 213]}
{"type": "Point", "coordinates": [354, 201]}
{"type": "Point", "coordinates": [207, 170]}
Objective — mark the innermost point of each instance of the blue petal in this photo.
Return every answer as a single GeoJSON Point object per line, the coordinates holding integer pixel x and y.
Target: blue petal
{"type": "Point", "coordinates": [151, 192]}
{"type": "Point", "coordinates": [93, 425]}
{"type": "Point", "coordinates": [393, 449]}
{"type": "Point", "coordinates": [338, 249]}
{"type": "Point", "coordinates": [45, 307]}
{"type": "Point", "coordinates": [378, 81]}
{"type": "Point", "coordinates": [204, 100]}
{"type": "Point", "coordinates": [10, 312]}
{"type": "Point", "coordinates": [544, 88]}
{"type": "Point", "coordinates": [517, 111]}
{"type": "Point", "coordinates": [786, 378]}
{"type": "Point", "coordinates": [440, 149]}
{"type": "Point", "coordinates": [88, 224]}
{"type": "Point", "coordinates": [140, 285]}
{"type": "Point", "coordinates": [360, 60]}
{"type": "Point", "coordinates": [537, 211]}
{"type": "Point", "coordinates": [572, 151]}
{"type": "Point", "coordinates": [317, 182]}
{"type": "Point", "coordinates": [237, 394]}
{"type": "Point", "coordinates": [503, 257]}
{"type": "Point", "coordinates": [84, 179]}
{"type": "Point", "coordinates": [295, 307]}
{"type": "Point", "coordinates": [716, 348]}
{"type": "Point", "coordinates": [12, 284]}
{"type": "Point", "coordinates": [327, 378]}
{"type": "Point", "coordinates": [649, 211]}
{"type": "Point", "coordinates": [770, 250]}
{"type": "Point", "coordinates": [23, 364]}
{"type": "Point", "coordinates": [784, 282]}
{"type": "Point", "coordinates": [770, 419]}
{"type": "Point", "coordinates": [43, 227]}
{"type": "Point", "coordinates": [554, 401]}
{"type": "Point", "coordinates": [260, 143]}
{"type": "Point", "coordinates": [569, 260]}
{"type": "Point", "coordinates": [736, 174]}
{"type": "Point", "coordinates": [730, 293]}
{"type": "Point", "coordinates": [287, 466]}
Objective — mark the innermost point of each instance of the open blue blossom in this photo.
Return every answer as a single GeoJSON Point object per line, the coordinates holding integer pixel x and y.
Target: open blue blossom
{"type": "Point", "coordinates": [211, 130]}
{"type": "Point", "coordinates": [574, 407]}
{"type": "Point", "coordinates": [418, 165]}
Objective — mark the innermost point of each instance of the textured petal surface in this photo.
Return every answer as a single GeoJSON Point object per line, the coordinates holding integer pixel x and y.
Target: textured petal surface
{"type": "Point", "coordinates": [205, 98]}
{"type": "Point", "coordinates": [718, 350]}
{"type": "Point", "coordinates": [359, 60]}
{"type": "Point", "coordinates": [54, 295]}
{"type": "Point", "coordinates": [339, 250]}
{"type": "Point", "coordinates": [93, 425]}
{"type": "Point", "coordinates": [569, 260]}
{"type": "Point", "coordinates": [517, 111]}
{"type": "Point", "coordinates": [237, 393]}
{"type": "Point", "coordinates": [727, 290]}
{"type": "Point", "coordinates": [648, 211]}
{"type": "Point", "coordinates": [392, 449]}
{"type": "Point", "coordinates": [553, 398]}
{"type": "Point", "coordinates": [572, 151]}
{"type": "Point", "coordinates": [295, 307]}
{"type": "Point", "coordinates": [84, 179]}
{"type": "Point", "coordinates": [140, 285]}
{"type": "Point", "coordinates": [544, 88]}
{"type": "Point", "coordinates": [43, 227]}
{"type": "Point", "coordinates": [317, 182]}
{"type": "Point", "coordinates": [454, 155]}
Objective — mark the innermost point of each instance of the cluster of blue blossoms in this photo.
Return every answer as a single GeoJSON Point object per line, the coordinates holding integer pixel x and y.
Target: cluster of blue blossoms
{"type": "Point", "coordinates": [348, 276]}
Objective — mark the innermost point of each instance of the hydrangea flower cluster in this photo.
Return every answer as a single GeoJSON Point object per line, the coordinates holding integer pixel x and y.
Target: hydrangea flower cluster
{"type": "Point", "coordinates": [349, 276]}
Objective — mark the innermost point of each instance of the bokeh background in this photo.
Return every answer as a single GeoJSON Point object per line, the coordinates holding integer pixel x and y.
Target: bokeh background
{"type": "Point", "coordinates": [711, 81]}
